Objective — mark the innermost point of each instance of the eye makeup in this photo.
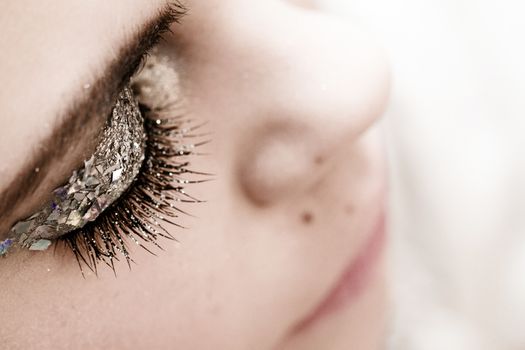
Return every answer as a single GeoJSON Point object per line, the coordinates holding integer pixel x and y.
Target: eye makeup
{"type": "Point", "coordinates": [92, 189]}
{"type": "Point", "coordinates": [128, 190]}
{"type": "Point", "coordinates": [87, 104]}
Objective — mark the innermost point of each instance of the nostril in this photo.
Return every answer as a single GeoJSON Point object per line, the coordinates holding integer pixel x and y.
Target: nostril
{"type": "Point", "coordinates": [276, 161]}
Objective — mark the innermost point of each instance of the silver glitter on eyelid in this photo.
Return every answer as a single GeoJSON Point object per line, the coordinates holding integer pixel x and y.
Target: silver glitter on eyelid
{"type": "Point", "coordinates": [103, 179]}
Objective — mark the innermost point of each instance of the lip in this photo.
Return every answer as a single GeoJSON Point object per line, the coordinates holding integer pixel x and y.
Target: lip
{"type": "Point", "coordinates": [354, 279]}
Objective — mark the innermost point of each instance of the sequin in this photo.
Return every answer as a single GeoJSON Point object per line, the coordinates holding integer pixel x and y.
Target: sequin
{"type": "Point", "coordinates": [115, 176]}
{"type": "Point", "coordinates": [92, 181]}
{"type": "Point", "coordinates": [5, 245]}
{"type": "Point", "coordinates": [41, 244]}
{"type": "Point", "coordinates": [93, 212]}
{"type": "Point", "coordinates": [74, 218]}
{"type": "Point", "coordinates": [22, 227]}
{"type": "Point", "coordinates": [45, 231]}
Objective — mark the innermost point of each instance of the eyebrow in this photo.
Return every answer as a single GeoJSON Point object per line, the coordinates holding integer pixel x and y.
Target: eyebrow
{"type": "Point", "coordinates": [96, 103]}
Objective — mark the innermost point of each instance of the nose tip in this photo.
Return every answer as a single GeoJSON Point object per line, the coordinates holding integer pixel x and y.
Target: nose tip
{"type": "Point", "coordinates": [337, 76]}
{"type": "Point", "coordinates": [329, 83]}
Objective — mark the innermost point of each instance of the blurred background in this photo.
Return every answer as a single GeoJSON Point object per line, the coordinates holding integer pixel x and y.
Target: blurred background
{"type": "Point", "coordinates": [455, 126]}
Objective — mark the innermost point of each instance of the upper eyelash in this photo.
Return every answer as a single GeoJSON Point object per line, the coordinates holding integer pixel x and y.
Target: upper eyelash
{"type": "Point", "coordinates": [173, 12]}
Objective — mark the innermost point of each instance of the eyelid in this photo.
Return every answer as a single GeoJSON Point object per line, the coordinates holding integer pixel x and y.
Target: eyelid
{"type": "Point", "coordinates": [90, 190]}
{"type": "Point", "coordinates": [87, 110]}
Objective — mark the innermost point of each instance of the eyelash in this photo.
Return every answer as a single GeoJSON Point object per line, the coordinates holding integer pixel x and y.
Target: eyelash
{"type": "Point", "coordinates": [142, 212]}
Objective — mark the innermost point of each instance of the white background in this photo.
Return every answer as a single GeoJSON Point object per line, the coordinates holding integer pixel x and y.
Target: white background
{"type": "Point", "coordinates": [456, 128]}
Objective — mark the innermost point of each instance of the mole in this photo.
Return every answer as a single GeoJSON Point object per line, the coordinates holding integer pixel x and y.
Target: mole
{"type": "Point", "coordinates": [307, 217]}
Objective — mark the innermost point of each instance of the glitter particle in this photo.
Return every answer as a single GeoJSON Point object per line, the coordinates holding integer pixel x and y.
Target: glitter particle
{"type": "Point", "coordinates": [62, 219]}
{"type": "Point", "coordinates": [40, 245]}
{"type": "Point", "coordinates": [92, 212]}
{"type": "Point", "coordinates": [53, 216]}
{"type": "Point", "coordinates": [74, 218]}
{"type": "Point", "coordinates": [5, 245]}
{"type": "Point", "coordinates": [45, 231]}
{"type": "Point", "coordinates": [79, 196]}
{"type": "Point", "coordinates": [61, 193]}
{"type": "Point", "coordinates": [92, 181]}
{"type": "Point", "coordinates": [22, 227]}
{"type": "Point", "coordinates": [116, 175]}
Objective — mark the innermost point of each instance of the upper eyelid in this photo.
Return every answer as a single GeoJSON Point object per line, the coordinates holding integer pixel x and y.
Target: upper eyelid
{"type": "Point", "coordinates": [94, 187]}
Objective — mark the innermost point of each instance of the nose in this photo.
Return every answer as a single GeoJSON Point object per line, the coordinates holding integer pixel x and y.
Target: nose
{"type": "Point", "coordinates": [297, 85]}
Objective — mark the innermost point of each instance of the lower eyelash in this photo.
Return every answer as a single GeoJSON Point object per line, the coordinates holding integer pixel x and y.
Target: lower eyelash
{"type": "Point", "coordinates": [141, 213]}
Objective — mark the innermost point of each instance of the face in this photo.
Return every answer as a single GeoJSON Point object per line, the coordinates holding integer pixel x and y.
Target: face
{"type": "Point", "coordinates": [285, 251]}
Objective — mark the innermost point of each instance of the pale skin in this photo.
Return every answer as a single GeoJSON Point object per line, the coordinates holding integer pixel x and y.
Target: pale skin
{"type": "Point", "coordinates": [292, 97]}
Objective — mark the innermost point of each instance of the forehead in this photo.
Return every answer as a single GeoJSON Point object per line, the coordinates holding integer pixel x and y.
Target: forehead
{"type": "Point", "coordinates": [49, 50]}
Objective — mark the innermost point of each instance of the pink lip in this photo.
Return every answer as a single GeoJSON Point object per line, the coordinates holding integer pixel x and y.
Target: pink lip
{"type": "Point", "coordinates": [353, 280]}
